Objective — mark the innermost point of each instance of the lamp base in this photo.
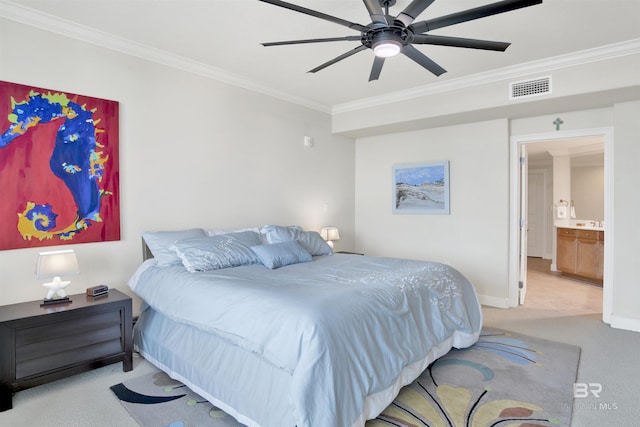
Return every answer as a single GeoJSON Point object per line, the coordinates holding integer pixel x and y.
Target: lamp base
{"type": "Point", "coordinates": [48, 302]}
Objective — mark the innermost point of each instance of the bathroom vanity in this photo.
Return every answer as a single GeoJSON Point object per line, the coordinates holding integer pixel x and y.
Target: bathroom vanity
{"type": "Point", "coordinates": [580, 252]}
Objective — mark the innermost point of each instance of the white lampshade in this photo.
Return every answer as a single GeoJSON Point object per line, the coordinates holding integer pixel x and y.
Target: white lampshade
{"type": "Point", "coordinates": [329, 234]}
{"type": "Point", "coordinates": [56, 263]}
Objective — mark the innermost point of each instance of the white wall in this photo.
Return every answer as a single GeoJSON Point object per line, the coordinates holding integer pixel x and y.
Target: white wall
{"type": "Point", "coordinates": [193, 153]}
{"type": "Point", "coordinates": [561, 186]}
{"type": "Point", "coordinates": [626, 267]}
{"type": "Point", "coordinates": [474, 237]}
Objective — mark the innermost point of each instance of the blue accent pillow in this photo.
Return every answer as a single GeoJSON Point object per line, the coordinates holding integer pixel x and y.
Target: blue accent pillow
{"type": "Point", "coordinates": [158, 243]}
{"type": "Point", "coordinates": [314, 243]}
{"type": "Point", "coordinates": [280, 254]}
{"type": "Point", "coordinates": [216, 252]}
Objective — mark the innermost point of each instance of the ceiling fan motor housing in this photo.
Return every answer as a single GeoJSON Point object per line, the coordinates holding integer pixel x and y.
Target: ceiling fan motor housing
{"type": "Point", "coordinates": [395, 37]}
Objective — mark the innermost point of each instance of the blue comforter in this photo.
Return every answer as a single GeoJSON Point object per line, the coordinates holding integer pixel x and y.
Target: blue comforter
{"type": "Point", "coordinates": [342, 326]}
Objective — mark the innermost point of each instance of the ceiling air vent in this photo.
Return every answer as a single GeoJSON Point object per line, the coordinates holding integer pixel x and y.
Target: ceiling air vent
{"type": "Point", "coordinates": [527, 88]}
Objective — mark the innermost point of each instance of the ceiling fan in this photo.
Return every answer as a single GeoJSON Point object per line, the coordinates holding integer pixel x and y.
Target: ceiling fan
{"type": "Point", "coordinates": [388, 36]}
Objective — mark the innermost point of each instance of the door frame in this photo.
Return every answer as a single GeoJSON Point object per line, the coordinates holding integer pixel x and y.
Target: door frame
{"type": "Point", "coordinates": [515, 194]}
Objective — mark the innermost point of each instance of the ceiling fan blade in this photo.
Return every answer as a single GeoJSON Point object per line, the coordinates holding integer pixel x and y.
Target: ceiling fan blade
{"type": "Point", "coordinates": [411, 12]}
{"type": "Point", "coordinates": [471, 14]}
{"type": "Point", "coordinates": [423, 60]}
{"type": "Point", "coordinates": [376, 68]}
{"type": "Point", "coordinates": [460, 42]}
{"type": "Point", "coordinates": [339, 58]}
{"type": "Point", "coordinates": [316, 14]}
{"type": "Point", "coordinates": [329, 39]}
{"type": "Point", "coordinates": [375, 11]}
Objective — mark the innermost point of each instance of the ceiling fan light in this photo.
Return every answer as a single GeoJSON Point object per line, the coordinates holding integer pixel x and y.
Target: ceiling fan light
{"type": "Point", "coordinates": [387, 48]}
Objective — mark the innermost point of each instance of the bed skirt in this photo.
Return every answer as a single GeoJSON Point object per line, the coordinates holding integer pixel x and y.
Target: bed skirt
{"type": "Point", "coordinates": [240, 382]}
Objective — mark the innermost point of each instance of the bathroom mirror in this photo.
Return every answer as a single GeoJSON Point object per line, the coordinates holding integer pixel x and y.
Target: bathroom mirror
{"type": "Point", "coordinates": [587, 186]}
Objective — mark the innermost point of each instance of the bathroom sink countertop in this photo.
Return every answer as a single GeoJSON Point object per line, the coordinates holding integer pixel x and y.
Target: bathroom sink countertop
{"type": "Point", "coordinates": [587, 226]}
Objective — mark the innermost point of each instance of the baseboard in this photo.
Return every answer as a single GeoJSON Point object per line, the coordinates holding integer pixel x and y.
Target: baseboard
{"type": "Point", "coordinates": [494, 301]}
{"type": "Point", "coordinates": [627, 323]}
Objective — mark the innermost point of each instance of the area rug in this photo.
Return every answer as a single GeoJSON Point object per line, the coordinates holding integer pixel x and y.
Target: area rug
{"type": "Point", "coordinates": [504, 380]}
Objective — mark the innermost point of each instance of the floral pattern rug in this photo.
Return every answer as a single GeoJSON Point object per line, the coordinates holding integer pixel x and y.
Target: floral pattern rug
{"type": "Point", "coordinates": [504, 380]}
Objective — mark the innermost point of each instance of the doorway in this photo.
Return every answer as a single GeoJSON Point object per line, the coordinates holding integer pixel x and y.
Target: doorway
{"type": "Point", "coordinates": [518, 225]}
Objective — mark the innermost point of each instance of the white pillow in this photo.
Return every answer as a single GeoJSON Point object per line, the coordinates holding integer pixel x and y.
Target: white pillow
{"type": "Point", "coordinates": [239, 230]}
{"type": "Point", "coordinates": [216, 252]}
{"type": "Point", "coordinates": [310, 240]}
{"type": "Point", "coordinates": [158, 243]}
{"type": "Point", "coordinates": [278, 234]}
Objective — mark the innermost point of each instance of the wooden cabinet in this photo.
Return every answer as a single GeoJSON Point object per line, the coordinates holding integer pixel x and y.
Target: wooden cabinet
{"type": "Point", "coordinates": [581, 252]}
{"type": "Point", "coordinates": [567, 250]}
{"type": "Point", "coordinates": [43, 344]}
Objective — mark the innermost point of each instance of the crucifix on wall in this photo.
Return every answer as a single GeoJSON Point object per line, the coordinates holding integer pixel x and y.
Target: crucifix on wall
{"type": "Point", "coordinates": [558, 122]}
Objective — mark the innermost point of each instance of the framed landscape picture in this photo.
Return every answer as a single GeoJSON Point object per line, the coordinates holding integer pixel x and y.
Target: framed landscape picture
{"type": "Point", "coordinates": [421, 188]}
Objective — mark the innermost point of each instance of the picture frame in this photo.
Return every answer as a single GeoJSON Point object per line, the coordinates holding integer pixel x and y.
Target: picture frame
{"type": "Point", "coordinates": [62, 149]}
{"type": "Point", "coordinates": [421, 188]}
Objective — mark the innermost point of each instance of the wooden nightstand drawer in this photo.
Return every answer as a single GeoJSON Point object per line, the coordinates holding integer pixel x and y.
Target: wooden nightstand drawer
{"type": "Point", "coordinates": [67, 358]}
{"type": "Point", "coordinates": [58, 344]}
{"type": "Point", "coordinates": [50, 332]}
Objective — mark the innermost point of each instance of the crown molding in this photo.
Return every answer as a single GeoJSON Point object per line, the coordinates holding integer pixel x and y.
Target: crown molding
{"type": "Point", "coordinates": [54, 24]}
{"type": "Point", "coordinates": [629, 47]}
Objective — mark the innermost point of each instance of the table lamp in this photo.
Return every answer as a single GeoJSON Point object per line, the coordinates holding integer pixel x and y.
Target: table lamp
{"type": "Point", "coordinates": [55, 264]}
{"type": "Point", "coordinates": [329, 234]}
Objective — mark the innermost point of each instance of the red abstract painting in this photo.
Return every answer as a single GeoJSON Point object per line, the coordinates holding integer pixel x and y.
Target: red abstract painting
{"type": "Point", "coordinates": [59, 172]}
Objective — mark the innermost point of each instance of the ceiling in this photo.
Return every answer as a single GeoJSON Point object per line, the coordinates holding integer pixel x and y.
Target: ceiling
{"type": "Point", "coordinates": [583, 151]}
{"type": "Point", "coordinates": [224, 36]}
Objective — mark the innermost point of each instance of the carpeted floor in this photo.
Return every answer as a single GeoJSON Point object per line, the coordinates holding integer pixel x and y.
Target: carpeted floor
{"type": "Point", "coordinates": [503, 379]}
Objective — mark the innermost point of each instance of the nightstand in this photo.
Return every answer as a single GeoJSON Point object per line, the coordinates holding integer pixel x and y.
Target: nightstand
{"type": "Point", "coordinates": [44, 344]}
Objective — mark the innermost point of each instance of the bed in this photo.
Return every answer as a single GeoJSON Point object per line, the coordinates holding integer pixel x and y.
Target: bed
{"type": "Point", "coordinates": [275, 329]}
